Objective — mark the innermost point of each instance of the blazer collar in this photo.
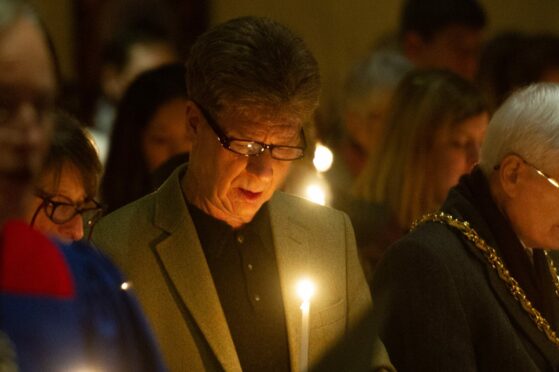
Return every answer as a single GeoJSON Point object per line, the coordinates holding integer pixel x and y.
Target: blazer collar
{"type": "Point", "coordinates": [188, 273]}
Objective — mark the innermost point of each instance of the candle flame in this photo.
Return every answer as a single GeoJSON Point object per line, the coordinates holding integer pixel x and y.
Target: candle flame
{"type": "Point", "coordinates": [323, 158]}
{"type": "Point", "coordinates": [305, 289]}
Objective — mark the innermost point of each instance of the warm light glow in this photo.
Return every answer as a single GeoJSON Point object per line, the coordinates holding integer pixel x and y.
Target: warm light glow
{"type": "Point", "coordinates": [305, 289]}
{"type": "Point", "coordinates": [124, 286]}
{"type": "Point", "coordinates": [323, 158]}
{"type": "Point", "coordinates": [84, 369]}
{"type": "Point", "coordinates": [316, 194]}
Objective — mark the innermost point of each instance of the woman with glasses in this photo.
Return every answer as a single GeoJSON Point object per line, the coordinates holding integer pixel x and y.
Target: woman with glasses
{"type": "Point", "coordinates": [64, 205]}
{"type": "Point", "coordinates": [474, 287]}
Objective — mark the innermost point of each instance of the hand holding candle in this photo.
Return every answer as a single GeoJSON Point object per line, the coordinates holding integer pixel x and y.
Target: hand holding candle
{"type": "Point", "coordinates": [305, 290]}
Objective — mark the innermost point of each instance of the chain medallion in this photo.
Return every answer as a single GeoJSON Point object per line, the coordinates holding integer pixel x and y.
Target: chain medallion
{"type": "Point", "coordinates": [499, 266]}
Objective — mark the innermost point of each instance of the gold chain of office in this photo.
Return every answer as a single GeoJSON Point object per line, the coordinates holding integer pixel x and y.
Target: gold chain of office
{"type": "Point", "coordinates": [497, 263]}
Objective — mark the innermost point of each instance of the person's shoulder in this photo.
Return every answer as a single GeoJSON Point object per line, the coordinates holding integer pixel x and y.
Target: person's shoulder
{"type": "Point", "coordinates": [430, 246]}
{"type": "Point", "coordinates": [432, 236]}
{"type": "Point", "coordinates": [130, 219]}
{"type": "Point", "coordinates": [141, 212]}
{"type": "Point", "coordinates": [319, 224]}
{"type": "Point", "coordinates": [320, 219]}
{"type": "Point", "coordinates": [296, 204]}
{"type": "Point", "coordinates": [141, 205]}
{"type": "Point", "coordinates": [91, 268]}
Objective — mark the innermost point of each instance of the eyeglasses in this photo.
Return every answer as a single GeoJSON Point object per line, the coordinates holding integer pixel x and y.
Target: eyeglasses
{"type": "Point", "coordinates": [61, 212]}
{"type": "Point", "coordinates": [254, 148]}
{"type": "Point", "coordinates": [549, 179]}
{"type": "Point", "coordinates": [43, 106]}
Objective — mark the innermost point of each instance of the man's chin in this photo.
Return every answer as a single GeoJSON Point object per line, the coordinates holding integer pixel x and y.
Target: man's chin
{"type": "Point", "coordinates": [245, 213]}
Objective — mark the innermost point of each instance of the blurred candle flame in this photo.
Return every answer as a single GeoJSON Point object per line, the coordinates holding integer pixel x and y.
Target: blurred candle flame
{"type": "Point", "coordinates": [305, 290]}
{"type": "Point", "coordinates": [316, 194]}
{"type": "Point", "coordinates": [323, 158]}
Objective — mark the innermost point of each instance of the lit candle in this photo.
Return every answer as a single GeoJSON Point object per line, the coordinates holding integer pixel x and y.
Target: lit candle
{"type": "Point", "coordinates": [305, 290]}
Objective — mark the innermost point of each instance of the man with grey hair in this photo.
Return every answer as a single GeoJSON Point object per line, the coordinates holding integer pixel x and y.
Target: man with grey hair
{"type": "Point", "coordinates": [478, 274]}
{"type": "Point", "coordinates": [215, 254]}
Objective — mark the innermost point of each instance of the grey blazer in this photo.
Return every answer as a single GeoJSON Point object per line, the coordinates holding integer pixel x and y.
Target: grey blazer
{"type": "Point", "coordinates": [155, 243]}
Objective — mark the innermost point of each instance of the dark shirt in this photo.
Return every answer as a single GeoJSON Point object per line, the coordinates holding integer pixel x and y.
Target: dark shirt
{"type": "Point", "coordinates": [244, 270]}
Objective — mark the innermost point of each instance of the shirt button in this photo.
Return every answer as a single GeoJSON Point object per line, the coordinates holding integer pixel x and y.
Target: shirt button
{"type": "Point", "coordinates": [249, 267]}
{"type": "Point", "coordinates": [257, 298]}
{"type": "Point", "coordinates": [240, 238]}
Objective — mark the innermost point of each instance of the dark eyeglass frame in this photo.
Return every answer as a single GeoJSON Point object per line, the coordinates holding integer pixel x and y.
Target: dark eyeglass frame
{"type": "Point", "coordinates": [98, 210]}
{"type": "Point", "coordinates": [226, 141]}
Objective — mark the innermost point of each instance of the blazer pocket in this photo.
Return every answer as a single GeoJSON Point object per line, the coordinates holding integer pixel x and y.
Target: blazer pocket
{"type": "Point", "coordinates": [326, 316]}
{"type": "Point", "coordinates": [327, 328]}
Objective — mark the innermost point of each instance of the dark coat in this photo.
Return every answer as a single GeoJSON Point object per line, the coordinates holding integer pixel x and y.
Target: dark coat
{"type": "Point", "coordinates": [440, 306]}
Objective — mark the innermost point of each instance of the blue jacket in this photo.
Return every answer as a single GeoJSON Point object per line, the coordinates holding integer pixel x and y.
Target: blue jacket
{"type": "Point", "coordinates": [64, 307]}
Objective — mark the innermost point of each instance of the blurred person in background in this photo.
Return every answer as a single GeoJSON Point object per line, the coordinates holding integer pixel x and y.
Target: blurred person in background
{"type": "Point", "coordinates": [63, 307]}
{"type": "Point", "coordinates": [368, 90]}
{"type": "Point", "coordinates": [130, 52]}
{"type": "Point", "coordinates": [149, 131]}
{"type": "Point", "coordinates": [64, 203]}
{"type": "Point", "coordinates": [473, 286]}
{"type": "Point", "coordinates": [495, 74]}
{"type": "Point", "coordinates": [536, 59]}
{"type": "Point", "coordinates": [443, 34]}
{"type": "Point", "coordinates": [434, 131]}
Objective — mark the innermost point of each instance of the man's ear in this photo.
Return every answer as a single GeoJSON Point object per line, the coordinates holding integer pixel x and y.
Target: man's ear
{"type": "Point", "coordinates": [192, 118]}
{"type": "Point", "coordinates": [510, 174]}
{"type": "Point", "coordinates": [413, 45]}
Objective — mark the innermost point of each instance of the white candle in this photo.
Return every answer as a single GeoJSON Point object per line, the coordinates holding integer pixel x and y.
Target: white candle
{"type": "Point", "coordinates": [305, 290]}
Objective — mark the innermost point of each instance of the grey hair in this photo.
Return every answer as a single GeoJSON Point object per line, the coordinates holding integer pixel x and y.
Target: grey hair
{"type": "Point", "coordinates": [253, 61]}
{"type": "Point", "coordinates": [381, 70]}
{"type": "Point", "coordinates": [527, 124]}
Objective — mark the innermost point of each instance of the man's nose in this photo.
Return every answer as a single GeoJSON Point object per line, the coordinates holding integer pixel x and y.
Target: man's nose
{"type": "Point", "coordinates": [73, 229]}
{"type": "Point", "coordinates": [29, 124]}
{"type": "Point", "coordinates": [261, 165]}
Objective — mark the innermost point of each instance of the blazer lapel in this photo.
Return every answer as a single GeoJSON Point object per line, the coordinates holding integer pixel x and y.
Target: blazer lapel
{"type": "Point", "coordinates": [184, 261]}
{"type": "Point", "coordinates": [293, 258]}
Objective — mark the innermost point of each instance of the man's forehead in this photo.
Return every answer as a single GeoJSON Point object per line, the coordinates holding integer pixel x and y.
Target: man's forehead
{"type": "Point", "coordinates": [262, 116]}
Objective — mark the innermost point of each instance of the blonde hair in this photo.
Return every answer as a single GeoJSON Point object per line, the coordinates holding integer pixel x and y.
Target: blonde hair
{"type": "Point", "coordinates": [397, 173]}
